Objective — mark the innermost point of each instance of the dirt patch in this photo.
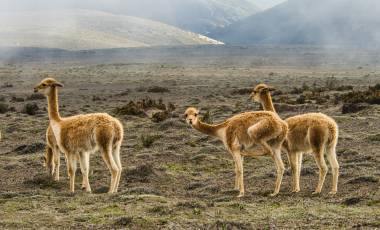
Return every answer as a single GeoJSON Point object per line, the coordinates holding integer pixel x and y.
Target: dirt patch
{"type": "Point", "coordinates": [141, 173]}
{"type": "Point", "coordinates": [29, 149]}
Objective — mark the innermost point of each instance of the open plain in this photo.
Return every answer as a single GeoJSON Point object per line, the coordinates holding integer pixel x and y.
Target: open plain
{"type": "Point", "coordinates": [175, 177]}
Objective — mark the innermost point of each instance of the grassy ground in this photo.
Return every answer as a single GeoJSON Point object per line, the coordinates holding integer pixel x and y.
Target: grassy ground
{"type": "Point", "coordinates": [184, 179]}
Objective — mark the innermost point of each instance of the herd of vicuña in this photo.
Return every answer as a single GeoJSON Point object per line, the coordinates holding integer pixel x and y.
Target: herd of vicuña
{"type": "Point", "coordinates": [250, 134]}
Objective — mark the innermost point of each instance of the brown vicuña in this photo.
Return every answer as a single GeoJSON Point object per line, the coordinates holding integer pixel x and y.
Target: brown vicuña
{"type": "Point", "coordinates": [308, 133]}
{"type": "Point", "coordinates": [242, 132]}
{"type": "Point", "coordinates": [79, 136]}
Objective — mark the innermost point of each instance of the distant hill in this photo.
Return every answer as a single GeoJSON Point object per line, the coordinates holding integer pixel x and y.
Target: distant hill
{"type": "Point", "coordinates": [200, 16]}
{"type": "Point", "coordinates": [88, 29]}
{"type": "Point", "coordinates": [322, 22]}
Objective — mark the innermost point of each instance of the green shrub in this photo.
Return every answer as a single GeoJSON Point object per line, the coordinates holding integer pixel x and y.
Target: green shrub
{"type": "Point", "coordinates": [30, 108]}
{"type": "Point", "coordinates": [148, 140]}
{"type": "Point", "coordinates": [4, 107]}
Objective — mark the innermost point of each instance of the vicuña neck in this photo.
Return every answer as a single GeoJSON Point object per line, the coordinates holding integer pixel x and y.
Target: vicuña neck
{"type": "Point", "coordinates": [53, 105]}
{"type": "Point", "coordinates": [267, 103]}
{"type": "Point", "coordinates": [208, 129]}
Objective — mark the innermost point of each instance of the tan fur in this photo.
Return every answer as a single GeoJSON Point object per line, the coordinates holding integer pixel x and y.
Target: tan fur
{"type": "Point", "coordinates": [308, 133]}
{"type": "Point", "coordinates": [52, 156]}
{"type": "Point", "coordinates": [79, 136]}
{"type": "Point", "coordinates": [242, 132]}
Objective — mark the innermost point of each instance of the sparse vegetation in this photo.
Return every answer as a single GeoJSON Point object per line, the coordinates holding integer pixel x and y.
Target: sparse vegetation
{"type": "Point", "coordinates": [148, 140]}
{"type": "Point", "coordinates": [35, 96]}
{"type": "Point", "coordinates": [30, 109]}
{"type": "Point", "coordinates": [183, 179]}
{"type": "Point", "coordinates": [4, 107]}
{"type": "Point", "coordinates": [157, 89]}
{"type": "Point", "coordinates": [242, 91]}
{"type": "Point", "coordinates": [207, 117]}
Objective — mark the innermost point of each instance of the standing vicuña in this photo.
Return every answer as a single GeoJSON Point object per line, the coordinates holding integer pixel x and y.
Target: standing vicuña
{"type": "Point", "coordinates": [311, 132]}
{"type": "Point", "coordinates": [79, 136]}
{"type": "Point", "coordinates": [243, 131]}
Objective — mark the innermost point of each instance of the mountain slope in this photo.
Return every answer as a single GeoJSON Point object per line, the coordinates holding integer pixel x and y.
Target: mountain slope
{"type": "Point", "coordinates": [200, 16]}
{"type": "Point", "coordinates": [85, 29]}
{"type": "Point", "coordinates": [331, 22]}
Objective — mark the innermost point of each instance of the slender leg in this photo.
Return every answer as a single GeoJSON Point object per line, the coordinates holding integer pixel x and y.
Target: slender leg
{"type": "Point", "coordinates": [293, 161]}
{"type": "Point", "coordinates": [320, 160]}
{"type": "Point", "coordinates": [236, 176]}
{"type": "Point", "coordinates": [280, 170]}
{"type": "Point", "coordinates": [116, 157]}
{"type": "Point", "coordinates": [107, 157]}
{"type": "Point", "coordinates": [239, 164]}
{"type": "Point", "coordinates": [331, 157]}
{"type": "Point", "coordinates": [57, 161]}
{"type": "Point", "coordinates": [299, 167]}
{"type": "Point", "coordinates": [71, 168]}
{"type": "Point", "coordinates": [85, 167]}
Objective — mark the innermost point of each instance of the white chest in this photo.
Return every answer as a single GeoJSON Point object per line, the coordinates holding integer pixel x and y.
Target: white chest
{"type": "Point", "coordinates": [221, 133]}
{"type": "Point", "coordinates": [55, 126]}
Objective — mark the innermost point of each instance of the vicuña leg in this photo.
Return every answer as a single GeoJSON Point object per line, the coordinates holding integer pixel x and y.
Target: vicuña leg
{"type": "Point", "coordinates": [320, 160]}
{"type": "Point", "coordinates": [71, 169]}
{"type": "Point", "coordinates": [57, 162]}
{"type": "Point", "coordinates": [239, 171]}
{"type": "Point", "coordinates": [84, 160]}
{"type": "Point", "coordinates": [293, 161]}
{"type": "Point", "coordinates": [331, 157]}
{"type": "Point", "coordinates": [116, 157]}
{"type": "Point", "coordinates": [279, 168]}
{"type": "Point", "coordinates": [108, 159]}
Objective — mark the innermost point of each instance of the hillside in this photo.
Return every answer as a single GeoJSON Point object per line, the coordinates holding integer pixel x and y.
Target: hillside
{"type": "Point", "coordinates": [326, 22]}
{"type": "Point", "coordinates": [86, 29]}
{"type": "Point", "coordinates": [200, 16]}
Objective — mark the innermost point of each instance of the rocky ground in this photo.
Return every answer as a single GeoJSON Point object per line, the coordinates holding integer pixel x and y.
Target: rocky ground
{"type": "Point", "coordinates": [175, 177]}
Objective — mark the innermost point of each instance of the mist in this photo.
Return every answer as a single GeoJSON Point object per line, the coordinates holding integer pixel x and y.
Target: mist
{"type": "Point", "coordinates": [200, 16]}
{"type": "Point", "coordinates": [324, 22]}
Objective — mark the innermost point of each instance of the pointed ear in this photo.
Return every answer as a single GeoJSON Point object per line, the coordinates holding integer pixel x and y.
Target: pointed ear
{"type": "Point", "coordinates": [57, 84]}
{"type": "Point", "coordinates": [198, 110]}
{"type": "Point", "coordinates": [271, 89]}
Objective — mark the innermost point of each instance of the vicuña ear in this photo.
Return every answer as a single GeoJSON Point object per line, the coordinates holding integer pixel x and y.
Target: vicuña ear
{"type": "Point", "coordinates": [57, 84]}
{"type": "Point", "coordinates": [271, 89]}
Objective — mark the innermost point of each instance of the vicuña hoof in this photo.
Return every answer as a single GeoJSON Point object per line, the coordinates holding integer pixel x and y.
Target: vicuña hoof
{"type": "Point", "coordinates": [273, 194]}
{"type": "Point", "coordinates": [316, 192]}
{"type": "Point", "coordinates": [240, 195]}
{"type": "Point", "coordinates": [295, 190]}
{"type": "Point", "coordinates": [332, 192]}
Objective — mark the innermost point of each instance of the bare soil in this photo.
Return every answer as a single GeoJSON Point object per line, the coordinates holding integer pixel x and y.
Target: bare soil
{"type": "Point", "coordinates": [184, 179]}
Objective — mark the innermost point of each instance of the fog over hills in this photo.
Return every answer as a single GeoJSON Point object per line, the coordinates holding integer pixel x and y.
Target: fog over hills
{"type": "Point", "coordinates": [322, 22]}
{"type": "Point", "coordinates": [89, 29]}
{"type": "Point", "coordinates": [200, 16]}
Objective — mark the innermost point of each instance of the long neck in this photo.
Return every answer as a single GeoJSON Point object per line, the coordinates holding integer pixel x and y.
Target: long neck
{"type": "Point", "coordinates": [53, 105]}
{"type": "Point", "coordinates": [208, 129]}
{"type": "Point", "coordinates": [267, 103]}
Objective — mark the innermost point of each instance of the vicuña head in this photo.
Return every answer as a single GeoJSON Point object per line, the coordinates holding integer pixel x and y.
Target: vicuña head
{"type": "Point", "coordinates": [261, 94]}
{"type": "Point", "coordinates": [46, 86]}
{"type": "Point", "coordinates": [191, 115]}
